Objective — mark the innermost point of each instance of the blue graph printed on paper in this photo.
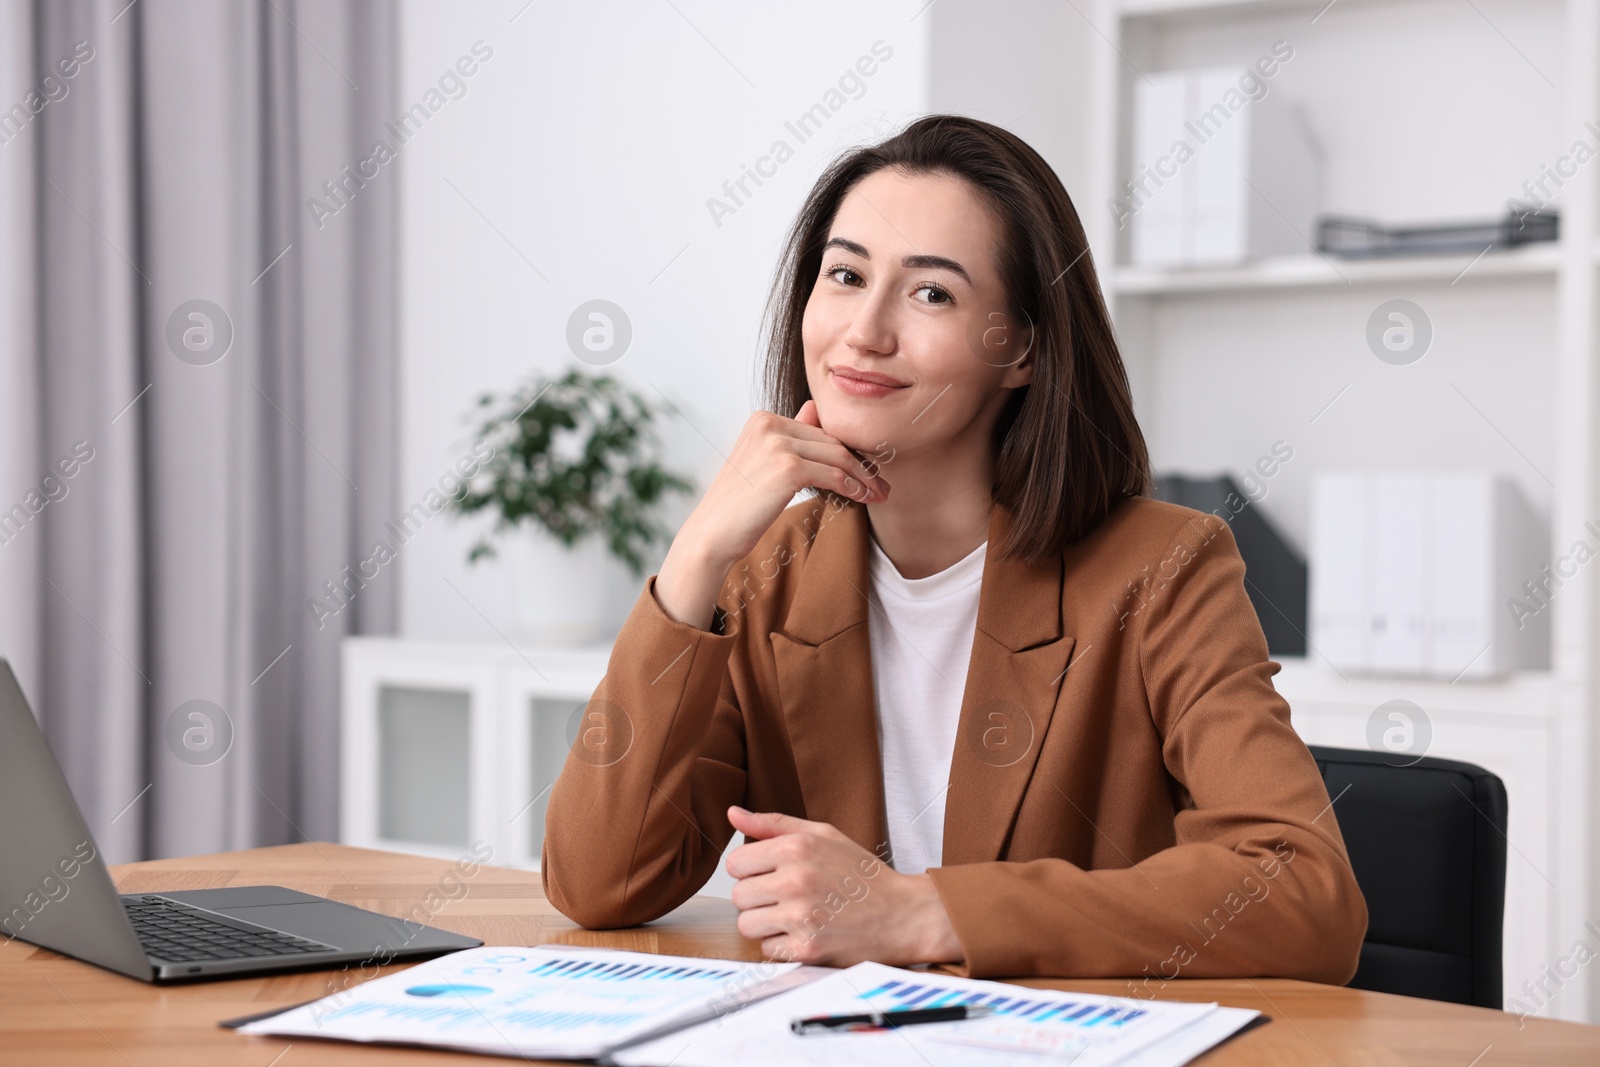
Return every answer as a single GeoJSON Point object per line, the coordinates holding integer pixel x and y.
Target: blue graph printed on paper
{"type": "Point", "coordinates": [897, 994]}
{"type": "Point", "coordinates": [623, 972]}
{"type": "Point", "coordinates": [620, 995]}
{"type": "Point", "coordinates": [447, 988]}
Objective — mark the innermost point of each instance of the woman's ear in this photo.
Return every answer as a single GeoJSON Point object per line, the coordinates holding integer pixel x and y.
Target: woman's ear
{"type": "Point", "coordinates": [1020, 373]}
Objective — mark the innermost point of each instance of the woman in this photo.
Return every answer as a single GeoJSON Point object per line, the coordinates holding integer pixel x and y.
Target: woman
{"type": "Point", "coordinates": [981, 701]}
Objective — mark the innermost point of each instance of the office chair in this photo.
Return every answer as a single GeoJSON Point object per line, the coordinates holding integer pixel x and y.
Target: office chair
{"type": "Point", "coordinates": [1427, 841]}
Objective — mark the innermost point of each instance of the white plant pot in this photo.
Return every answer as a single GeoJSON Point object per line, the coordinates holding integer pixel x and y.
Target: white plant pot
{"type": "Point", "coordinates": [564, 596]}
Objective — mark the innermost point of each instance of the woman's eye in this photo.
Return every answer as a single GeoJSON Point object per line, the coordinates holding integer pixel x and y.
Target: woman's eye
{"type": "Point", "coordinates": [936, 294]}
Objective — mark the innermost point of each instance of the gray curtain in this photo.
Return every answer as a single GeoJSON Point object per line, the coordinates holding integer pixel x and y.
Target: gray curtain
{"type": "Point", "coordinates": [158, 609]}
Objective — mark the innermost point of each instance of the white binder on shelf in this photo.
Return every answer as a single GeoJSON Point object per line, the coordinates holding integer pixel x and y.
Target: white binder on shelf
{"type": "Point", "coordinates": [1159, 212]}
{"type": "Point", "coordinates": [1464, 611]}
{"type": "Point", "coordinates": [1337, 553]}
{"type": "Point", "coordinates": [1218, 227]}
{"type": "Point", "coordinates": [1487, 525]}
{"type": "Point", "coordinates": [1418, 574]}
{"type": "Point", "coordinates": [1397, 535]}
{"type": "Point", "coordinates": [1259, 179]}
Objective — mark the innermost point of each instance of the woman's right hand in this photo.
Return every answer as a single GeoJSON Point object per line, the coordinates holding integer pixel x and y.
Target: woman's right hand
{"type": "Point", "coordinates": [773, 459]}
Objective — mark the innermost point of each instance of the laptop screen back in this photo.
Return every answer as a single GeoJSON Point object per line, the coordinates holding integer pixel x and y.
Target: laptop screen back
{"type": "Point", "coordinates": [55, 890]}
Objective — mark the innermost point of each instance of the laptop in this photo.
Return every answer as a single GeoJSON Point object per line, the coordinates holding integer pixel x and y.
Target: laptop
{"type": "Point", "coordinates": [55, 892]}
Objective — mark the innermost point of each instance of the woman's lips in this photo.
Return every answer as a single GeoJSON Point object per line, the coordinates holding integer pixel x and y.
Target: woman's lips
{"type": "Point", "coordinates": [867, 384]}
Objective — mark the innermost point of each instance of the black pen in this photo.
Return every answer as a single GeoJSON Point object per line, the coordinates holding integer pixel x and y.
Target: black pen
{"type": "Point", "coordinates": [819, 1024]}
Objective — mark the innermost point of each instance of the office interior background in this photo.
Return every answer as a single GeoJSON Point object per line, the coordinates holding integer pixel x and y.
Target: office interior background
{"type": "Point", "coordinates": [259, 262]}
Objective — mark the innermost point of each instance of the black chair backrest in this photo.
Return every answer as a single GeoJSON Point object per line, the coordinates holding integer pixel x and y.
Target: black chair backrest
{"type": "Point", "coordinates": [1427, 840]}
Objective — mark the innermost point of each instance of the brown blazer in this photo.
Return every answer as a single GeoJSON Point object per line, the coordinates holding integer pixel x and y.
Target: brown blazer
{"type": "Point", "coordinates": [1126, 797]}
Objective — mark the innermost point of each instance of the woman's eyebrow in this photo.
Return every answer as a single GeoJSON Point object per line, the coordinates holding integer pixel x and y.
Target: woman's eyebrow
{"type": "Point", "coordinates": [918, 261]}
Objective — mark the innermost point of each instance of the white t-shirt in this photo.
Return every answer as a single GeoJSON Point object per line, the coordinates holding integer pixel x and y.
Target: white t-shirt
{"type": "Point", "coordinates": [921, 632]}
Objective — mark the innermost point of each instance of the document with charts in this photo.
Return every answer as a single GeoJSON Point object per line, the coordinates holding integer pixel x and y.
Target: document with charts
{"type": "Point", "coordinates": [1028, 1026]}
{"type": "Point", "coordinates": [552, 1001]}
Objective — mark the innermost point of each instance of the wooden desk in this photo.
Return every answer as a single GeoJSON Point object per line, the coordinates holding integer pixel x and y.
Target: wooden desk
{"type": "Point", "coordinates": [56, 1011]}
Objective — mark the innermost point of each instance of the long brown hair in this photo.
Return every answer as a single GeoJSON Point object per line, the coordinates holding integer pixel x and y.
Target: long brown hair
{"type": "Point", "coordinates": [1069, 446]}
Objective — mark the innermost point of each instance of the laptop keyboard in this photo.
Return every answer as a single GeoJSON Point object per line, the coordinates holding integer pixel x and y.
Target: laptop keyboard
{"type": "Point", "coordinates": [172, 931]}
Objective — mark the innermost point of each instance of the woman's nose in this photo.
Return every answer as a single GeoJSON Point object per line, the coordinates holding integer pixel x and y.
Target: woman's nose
{"type": "Point", "coordinates": [871, 326]}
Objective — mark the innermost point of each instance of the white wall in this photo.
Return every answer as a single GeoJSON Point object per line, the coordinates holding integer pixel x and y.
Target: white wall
{"type": "Point", "coordinates": [590, 142]}
{"type": "Point", "coordinates": [1021, 65]}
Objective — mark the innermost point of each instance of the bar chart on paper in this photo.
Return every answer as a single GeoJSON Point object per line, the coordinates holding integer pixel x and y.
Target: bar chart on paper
{"type": "Point", "coordinates": [1026, 1026]}
{"type": "Point", "coordinates": [897, 995]}
{"type": "Point", "coordinates": [575, 1003]}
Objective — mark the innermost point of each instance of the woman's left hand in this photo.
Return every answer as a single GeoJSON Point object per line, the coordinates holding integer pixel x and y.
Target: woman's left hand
{"type": "Point", "coordinates": [809, 894]}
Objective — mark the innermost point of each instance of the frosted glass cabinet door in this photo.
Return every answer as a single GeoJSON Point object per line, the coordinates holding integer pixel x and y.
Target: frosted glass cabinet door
{"type": "Point", "coordinates": [544, 712]}
{"type": "Point", "coordinates": [420, 747]}
{"type": "Point", "coordinates": [424, 765]}
{"type": "Point", "coordinates": [552, 724]}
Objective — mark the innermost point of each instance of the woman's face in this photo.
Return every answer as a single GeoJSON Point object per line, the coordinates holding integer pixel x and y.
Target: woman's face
{"type": "Point", "coordinates": [907, 341]}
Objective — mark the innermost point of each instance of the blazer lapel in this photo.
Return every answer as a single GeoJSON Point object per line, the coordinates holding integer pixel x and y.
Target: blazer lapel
{"type": "Point", "coordinates": [1019, 655]}
{"type": "Point", "coordinates": [823, 660]}
{"type": "Point", "coordinates": [824, 670]}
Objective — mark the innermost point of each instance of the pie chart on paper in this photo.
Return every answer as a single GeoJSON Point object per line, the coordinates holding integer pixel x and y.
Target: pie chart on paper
{"type": "Point", "coordinates": [447, 988]}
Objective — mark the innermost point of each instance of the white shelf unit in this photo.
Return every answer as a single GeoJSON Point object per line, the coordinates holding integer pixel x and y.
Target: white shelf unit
{"type": "Point", "coordinates": [1426, 110]}
{"type": "Point", "coordinates": [1308, 271]}
{"type": "Point", "coordinates": [445, 745]}
{"type": "Point", "coordinates": [1147, 8]}
{"type": "Point", "coordinates": [1181, 9]}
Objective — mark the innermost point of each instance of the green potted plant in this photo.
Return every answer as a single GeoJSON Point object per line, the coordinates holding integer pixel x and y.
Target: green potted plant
{"type": "Point", "coordinates": [575, 457]}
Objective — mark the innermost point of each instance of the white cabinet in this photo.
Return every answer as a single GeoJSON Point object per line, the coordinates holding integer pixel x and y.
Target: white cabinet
{"type": "Point", "coordinates": [447, 744]}
{"type": "Point", "coordinates": [1509, 727]}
